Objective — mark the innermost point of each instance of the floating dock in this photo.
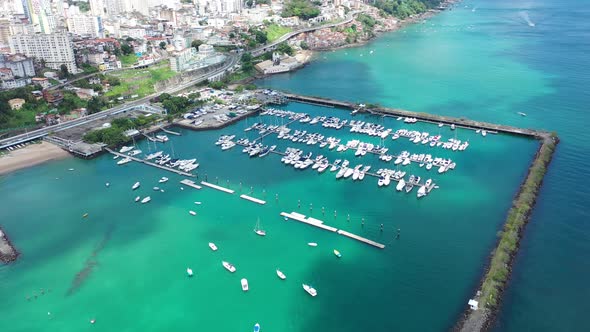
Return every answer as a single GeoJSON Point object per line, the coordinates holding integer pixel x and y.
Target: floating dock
{"type": "Point", "coordinates": [190, 183]}
{"type": "Point", "coordinates": [214, 186]}
{"type": "Point", "coordinates": [150, 163]}
{"type": "Point", "coordinates": [320, 224]}
{"type": "Point", "coordinates": [362, 239]}
{"type": "Point", "coordinates": [253, 199]}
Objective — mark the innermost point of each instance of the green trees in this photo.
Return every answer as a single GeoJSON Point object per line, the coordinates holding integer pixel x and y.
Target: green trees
{"type": "Point", "coordinates": [196, 43]}
{"type": "Point", "coordinates": [163, 45]}
{"type": "Point", "coordinates": [247, 65]}
{"type": "Point", "coordinates": [285, 48]}
{"type": "Point", "coordinates": [63, 72]}
{"type": "Point", "coordinates": [126, 49]}
{"type": "Point", "coordinates": [301, 8]}
{"type": "Point", "coordinates": [405, 8]}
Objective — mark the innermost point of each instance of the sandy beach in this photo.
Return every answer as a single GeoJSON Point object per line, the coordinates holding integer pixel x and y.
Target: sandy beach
{"type": "Point", "coordinates": [31, 155]}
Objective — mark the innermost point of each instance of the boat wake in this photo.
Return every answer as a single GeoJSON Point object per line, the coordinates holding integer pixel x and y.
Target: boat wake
{"type": "Point", "coordinates": [526, 18]}
{"type": "Point", "coordinates": [91, 262]}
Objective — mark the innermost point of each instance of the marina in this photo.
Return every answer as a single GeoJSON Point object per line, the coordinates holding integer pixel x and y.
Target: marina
{"type": "Point", "coordinates": [149, 163]}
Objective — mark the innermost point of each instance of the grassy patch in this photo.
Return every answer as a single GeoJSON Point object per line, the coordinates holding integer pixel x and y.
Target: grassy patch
{"type": "Point", "coordinates": [140, 81]}
{"type": "Point", "coordinates": [128, 60]}
{"type": "Point", "coordinates": [275, 31]}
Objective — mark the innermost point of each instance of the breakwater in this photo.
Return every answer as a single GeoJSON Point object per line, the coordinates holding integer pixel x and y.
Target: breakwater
{"type": "Point", "coordinates": [7, 252]}
{"type": "Point", "coordinates": [499, 266]}
{"type": "Point", "coordinates": [426, 117]}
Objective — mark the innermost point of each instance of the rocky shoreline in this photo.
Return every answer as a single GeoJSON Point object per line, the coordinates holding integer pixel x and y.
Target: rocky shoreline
{"type": "Point", "coordinates": [7, 252]}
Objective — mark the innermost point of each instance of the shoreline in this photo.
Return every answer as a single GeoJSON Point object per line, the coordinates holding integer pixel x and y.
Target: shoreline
{"type": "Point", "coordinates": [31, 155]}
{"type": "Point", "coordinates": [398, 26]}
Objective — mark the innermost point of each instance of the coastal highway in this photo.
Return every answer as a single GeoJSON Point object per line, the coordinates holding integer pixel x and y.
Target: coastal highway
{"type": "Point", "coordinates": [263, 49]}
{"type": "Point", "coordinates": [39, 133]}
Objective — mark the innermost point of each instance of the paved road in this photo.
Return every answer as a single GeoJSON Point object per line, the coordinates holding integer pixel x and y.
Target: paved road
{"type": "Point", "coordinates": [232, 61]}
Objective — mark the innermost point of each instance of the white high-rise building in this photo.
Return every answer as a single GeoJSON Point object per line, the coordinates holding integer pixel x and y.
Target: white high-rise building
{"type": "Point", "coordinates": [85, 25]}
{"type": "Point", "coordinates": [55, 49]}
{"type": "Point", "coordinates": [97, 8]}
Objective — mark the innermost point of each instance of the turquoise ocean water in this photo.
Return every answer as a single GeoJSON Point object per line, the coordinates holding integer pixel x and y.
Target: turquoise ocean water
{"type": "Point", "coordinates": [125, 264]}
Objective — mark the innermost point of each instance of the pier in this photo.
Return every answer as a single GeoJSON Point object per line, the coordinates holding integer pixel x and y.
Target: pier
{"type": "Point", "coordinates": [190, 183]}
{"type": "Point", "coordinates": [320, 224]}
{"type": "Point", "coordinates": [214, 186]}
{"type": "Point", "coordinates": [253, 199]}
{"type": "Point", "coordinates": [362, 239]}
{"type": "Point", "coordinates": [149, 163]}
{"type": "Point", "coordinates": [169, 131]}
{"type": "Point", "coordinates": [447, 120]}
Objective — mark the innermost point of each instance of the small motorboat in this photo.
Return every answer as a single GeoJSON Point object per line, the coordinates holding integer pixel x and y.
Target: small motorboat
{"type": "Point", "coordinates": [135, 185]}
{"type": "Point", "coordinates": [281, 275]}
{"type": "Point", "coordinates": [189, 271]}
{"type": "Point", "coordinates": [107, 184]}
{"type": "Point", "coordinates": [244, 283]}
{"type": "Point", "coordinates": [156, 188]}
{"type": "Point", "coordinates": [137, 199]}
{"type": "Point", "coordinates": [163, 179]}
{"type": "Point", "coordinates": [192, 213]}
{"type": "Point", "coordinates": [256, 327]}
{"type": "Point", "coordinates": [146, 200]}
{"type": "Point", "coordinates": [85, 215]}
{"type": "Point", "coordinates": [228, 266]}
{"type": "Point", "coordinates": [337, 253]}
{"type": "Point", "coordinates": [212, 246]}
{"type": "Point", "coordinates": [312, 244]}
{"type": "Point", "coordinates": [198, 203]}
{"type": "Point", "coordinates": [310, 290]}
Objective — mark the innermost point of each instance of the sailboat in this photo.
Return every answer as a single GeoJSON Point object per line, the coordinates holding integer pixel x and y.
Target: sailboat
{"type": "Point", "coordinates": [259, 230]}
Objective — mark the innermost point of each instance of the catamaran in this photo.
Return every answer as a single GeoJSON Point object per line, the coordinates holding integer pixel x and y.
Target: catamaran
{"type": "Point", "coordinates": [229, 266]}
{"type": "Point", "coordinates": [310, 290]}
{"type": "Point", "coordinates": [281, 275]}
{"type": "Point", "coordinates": [259, 230]}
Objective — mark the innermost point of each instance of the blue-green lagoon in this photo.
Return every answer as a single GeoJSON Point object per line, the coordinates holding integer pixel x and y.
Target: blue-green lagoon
{"type": "Point", "coordinates": [125, 264]}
